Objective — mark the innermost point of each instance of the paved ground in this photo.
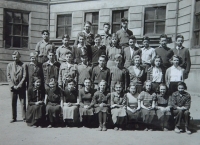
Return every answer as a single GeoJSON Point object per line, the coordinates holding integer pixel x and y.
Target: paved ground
{"type": "Point", "coordinates": [20, 134]}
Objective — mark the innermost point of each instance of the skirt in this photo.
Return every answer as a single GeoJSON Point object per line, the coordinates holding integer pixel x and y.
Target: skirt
{"type": "Point", "coordinates": [165, 119]}
{"type": "Point", "coordinates": [149, 117]}
{"type": "Point", "coordinates": [110, 63]}
{"type": "Point", "coordinates": [135, 117]}
{"type": "Point", "coordinates": [35, 114]}
{"type": "Point", "coordinates": [103, 109]}
{"type": "Point", "coordinates": [53, 112]}
{"type": "Point", "coordinates": [70, 113]}
{"type": "Point", "coordinates": [85, 112]}
{"type": "Point", "coordinates": [117, 112]}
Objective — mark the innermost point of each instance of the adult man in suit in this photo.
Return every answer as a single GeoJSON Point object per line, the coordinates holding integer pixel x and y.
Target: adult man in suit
{"type": "Point", "coordinates": [16, 76]}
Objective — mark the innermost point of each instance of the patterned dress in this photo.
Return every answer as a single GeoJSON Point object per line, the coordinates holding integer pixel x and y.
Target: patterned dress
{"type": "Point", "coordinates": [117, 111]}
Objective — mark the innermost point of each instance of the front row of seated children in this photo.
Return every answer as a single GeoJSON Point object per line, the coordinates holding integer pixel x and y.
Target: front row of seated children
{"type": "Point", "coordinates": [148, 107]}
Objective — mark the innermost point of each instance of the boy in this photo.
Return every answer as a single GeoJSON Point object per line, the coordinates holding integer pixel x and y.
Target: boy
{"type": "Point", "coordinates": [106, 37]}
{"type": "Point", "coordinates": [16, 76]}
{"type": "Point", "coordinates": [87, 33]}
{"type": "Point", "coordinates": [118, 73]}
{"type": "Point", "coordinates": [100, 72]}
{"type": "Point", "coordinates": [84, 70]}
{"type": "Point", "coordinates": [165, 52]}
{"type": "Point", "coordinates": [81, 49]}
{"type": "Point", "coordinates": [34, 70]}
{"type": "Point", "coordinates": [148, 54]}
{"type": "Point", "coordinates": [124, 33]}
{"type": "Point", "coordinates": [184, 53]}
{"type": "Point", "coordinates": [97, 50]}
{"type": "Point", "coordinates": [68, 70]}
{"type": "Point", "coordinates": [131, 51]}
{"type": "Point", "coordinates": [50, 69]}
{"type": "Point", "coordinates": [62, 50]}
{"type": "Point", "coordinates": [43, 47]}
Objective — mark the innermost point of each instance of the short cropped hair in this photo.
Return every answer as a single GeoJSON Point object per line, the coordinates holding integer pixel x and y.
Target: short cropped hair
{"type": "Point", "coordinates": [163, 36]}
{"type": "Point", "coordinates": [118, 83]}
{"type": "Point", "coordinates": [81, 35]}
{"type": "Point", "coordinates": [124, 19]}
{"type": "Point", "coordinates": [102, 56]}
{"type": "Point", "coordinates": [182, 84]}
{"type": "Point", "coordinates": [106, 24]}
{"type": "Point", "coordinates": [179, 36]}
{"type": "Point", "coordinates": [88, 22]}
{"type": "Point", "coordinates": [71, 80]}
{"type": "Point", "coordinates": [97, 36]}
{"type": "Point", "coordinates": [50, 51]}
{"type": "Point", "coordinates": [132, 37]}
{"type": "Point", "coordinates": [65, 36]}
{"type": "Point", "coordinates": [146, 38]}
{"type": "Point", "coordinates": [47, 31]}
{"type": "Point", "coordinates": [16, 53]}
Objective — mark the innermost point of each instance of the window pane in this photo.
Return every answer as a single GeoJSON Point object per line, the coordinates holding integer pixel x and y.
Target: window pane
{"type": "Point", "coordinates": [61, 32]}
{"type": "Point", "coordinates": [8, 29]}
{"type": "Point", "coordinates": [149, 13]}
{"type": "Point", "coordinates": [25, 18]}
{"type": "Point", "coordinates": [197, 21]}
{"type": "Point", "coordinates": [24, 42]}
{"type": "Point", "coordinates": [160, 27]}
{"type": "Point", "coordinates": [161, 13]}
{"type": "Point", "coordinates": [16, 29]}
{"type": "Point", "coordinates": [125, 14]}
{"type": "Point", "coordinates": [95, 29]}
{"type": "Point", "coordinates": [117, 16]}
{"type": "Point", "coordinates": [61, 20]}
{"type": "Point", "coordinates": [149, 28]}
{"type": "Point", "coordinates": [68, 30]}
{"type": "Point", "coordinates": [116, 27]}
{"type": "Point", "coordinates": [69, 20]}
{"type": "Point", "coordinates": [16, 41]}
{"type": "Point", "coordinates": [25, 31]}
{"type": "Point", "coordinates": [17, 18]}
{"type": "Point", "coordinates": [8, 41]}
{"type": "Point", "coordinates": [88, 17]}
{"type": "Point", "coordinates": [197, 38]}
{"type": "Point", "coordinates": [8, 17]}
{"type": "Point", "coordinates": [95, 18]}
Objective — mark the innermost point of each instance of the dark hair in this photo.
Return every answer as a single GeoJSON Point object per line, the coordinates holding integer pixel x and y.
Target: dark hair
{"type": "Point", "coordinates": [153, 60]}
{"type": "Point", "coordinates": [158, 88]}
{"type": "Point", "coordinates": [124, 19]}
{"type": "Point", "coordinates": [163, 36]}
{"type": "Point", "coordinates": [87, 79]}
{"type": "Point", "coordinates": [106, 24]}
{"type": "Point", "coordinates": [102, 56]}
{"type": "Point", "coordinates": [118, 83]}
{"type": "Point", "coordinates": [132, 37]}
{"type": "Point", "coordinates": [65, 36]}
{"type": "Point", "coordinates": [34, 79]}
{"type": "Point", "coordinates": [182, 84]}
{"type": "Point", "coordinates": [81, 35]}
{"type": "Point", "coordinates": [97, 36]}
{"type": "Point", "coordinates": [50, 51]}
{"type": "Point", "coordinates": [83, 55]}
{"type": "Point", "coordinates": [53, 80]}
{"type": "Point", "coordinates": [114, 35]}
{"type": "Point", "coordinates": [88, 22]}
{"type": "Point", "coordinates": [70, 80]}
{"type": "Point", "coordinates": [179, 36]}
{"type": "Point", "coordinates": [69, 52]}
{"type": "Point", "coordinates": [179, 58]}
{"type": "Point", "coordinates": [146, 38]}
{"type": "Point", "coordinates": [135, 57]}
{"type": "Point", "coordinates": [47, 31]}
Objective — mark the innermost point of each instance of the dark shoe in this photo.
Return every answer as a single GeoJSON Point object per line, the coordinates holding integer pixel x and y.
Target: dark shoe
{"type": "Point", "coordinates": [13, 120]}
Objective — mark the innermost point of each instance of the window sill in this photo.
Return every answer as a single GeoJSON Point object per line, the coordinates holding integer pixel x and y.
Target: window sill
{"type": "Point", "coordinates": [16, 48]}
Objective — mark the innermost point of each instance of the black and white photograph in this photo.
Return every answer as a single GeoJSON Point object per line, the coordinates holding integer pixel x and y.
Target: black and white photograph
{"type": "Point", "coordinates": [99, 72]}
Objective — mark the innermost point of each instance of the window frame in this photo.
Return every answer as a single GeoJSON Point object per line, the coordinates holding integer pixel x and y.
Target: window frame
{"type": "Point", "coordinates": [21, 25]}
{"type": "Point", "coordinates": [154, 21]}
{"type": "Point", "coordinates": [63, 26]}
{"type": "Point", "coordinates": [93, 24]}
{"type": "Point", "coordinates": [117, 23]}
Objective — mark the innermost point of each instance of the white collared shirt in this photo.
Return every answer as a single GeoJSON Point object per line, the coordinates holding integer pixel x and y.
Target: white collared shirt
{"type": "Point", "coordinates": [148, 54]}
{"type": "Point", "coordinates": [137, 70]}
{"type": "Point", "coordinates": [157, 75]}
{"type": "Point", "coordinates": [82, 48]}
{"type": "Point", "coordinates": [176, 74]}
{"type": "Point", "coordinates": [132, 52]}
{"type": "Point", "coordinates": [49, 62]}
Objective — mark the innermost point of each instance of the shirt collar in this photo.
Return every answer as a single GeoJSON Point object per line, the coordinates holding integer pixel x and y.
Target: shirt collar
{"type": "Point", "coordinates": [45, 41]}
{"type": "Point", "coordinates": [125, 30]}
{"type": "Point", "coordinates": [80, 46]}
{"type": "Point", "coordinates": [101, 68]}
{"type": "Point", "coordinates": [50, 63]}
{"type": "Point", "coordinates": [178, 48]}
{"type": "Point", "coordinates": [173, 67]}
{"type": "Point", "coordinates": [86, 32]}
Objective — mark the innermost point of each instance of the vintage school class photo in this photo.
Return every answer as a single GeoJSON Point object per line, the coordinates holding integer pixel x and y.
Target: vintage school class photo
{"type": "Point", "coordinates": [99, 72]}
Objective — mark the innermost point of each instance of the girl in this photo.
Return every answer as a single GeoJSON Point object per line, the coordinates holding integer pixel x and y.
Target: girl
{"type": "Point", "coordinates": [35, 114]}
{"type": "Point", "coordinates": [136, 73]}
{"type": "Point", "coordinates": [133, 106]}
{"type": "Point", "coordinates": [155, 74]}
{"type": "Point", "coordinates": [112, 50]}
{"type": "Point", "coordinates": [163, 108]}
{"type": "Point", "coordinates": [147, 99]}
{"type": "Point", "coordinates": [85, 100]}
{"type": "Point", "coordinates": [101, 101]}
{"type": "Point", "coordinates": [53, 100]}
{"type": "Point", "coordinates": [69, 103]}
{"type": "Point", "coordinates": [117, 108]}
{"type": "Point", "coordinates": [174, 74]}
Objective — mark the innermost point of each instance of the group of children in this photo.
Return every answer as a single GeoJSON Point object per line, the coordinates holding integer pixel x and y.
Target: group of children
{"type": "Point", "coordinates": [106, 75]}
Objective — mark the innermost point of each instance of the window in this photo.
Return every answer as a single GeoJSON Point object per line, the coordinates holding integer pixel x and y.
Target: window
{"type": "Point", "coordinates": [16, 29]}
{"type": "Point", "coordinates": [94, 19]}
{"type": "Point", "coordinates": [116, 19]}
{"type": "Point", "coordinates": [197, 25]}
{"type": "Point", "coordinates": [64, 25]}
{"type": "Point", "coordinates": [154, 22]}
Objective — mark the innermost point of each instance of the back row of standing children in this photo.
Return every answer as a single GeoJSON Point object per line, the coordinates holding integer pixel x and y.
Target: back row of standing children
{"type": "Point", "coordinates": [112, 58]}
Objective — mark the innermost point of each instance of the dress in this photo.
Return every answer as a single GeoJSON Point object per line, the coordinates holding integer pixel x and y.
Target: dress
{"type": "Point", "coordinates": [149, 116]}
{"type": "Point", "coordinates": [117, 111]}
{"type": "Point", "coordinates": [53, 108]}
{"type": "Point", "coordinates": [99, 98]}
{"type": "Point", "coordinates": [132, 102]}
{"type": "Point", "coordinates": [35, 113]}
{"type": "Point", "coordinates": [111, 52]}
{"type": "Point", "coordinates": [164, 118]}
{"type": "Point", "coordinates": [72, 111]}
{"type": "Point", "coordinates": [85, 98]}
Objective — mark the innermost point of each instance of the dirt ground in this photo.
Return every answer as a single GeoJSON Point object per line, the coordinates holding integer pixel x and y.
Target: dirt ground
{"type": "Point", "coordinates": [20, 134]}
